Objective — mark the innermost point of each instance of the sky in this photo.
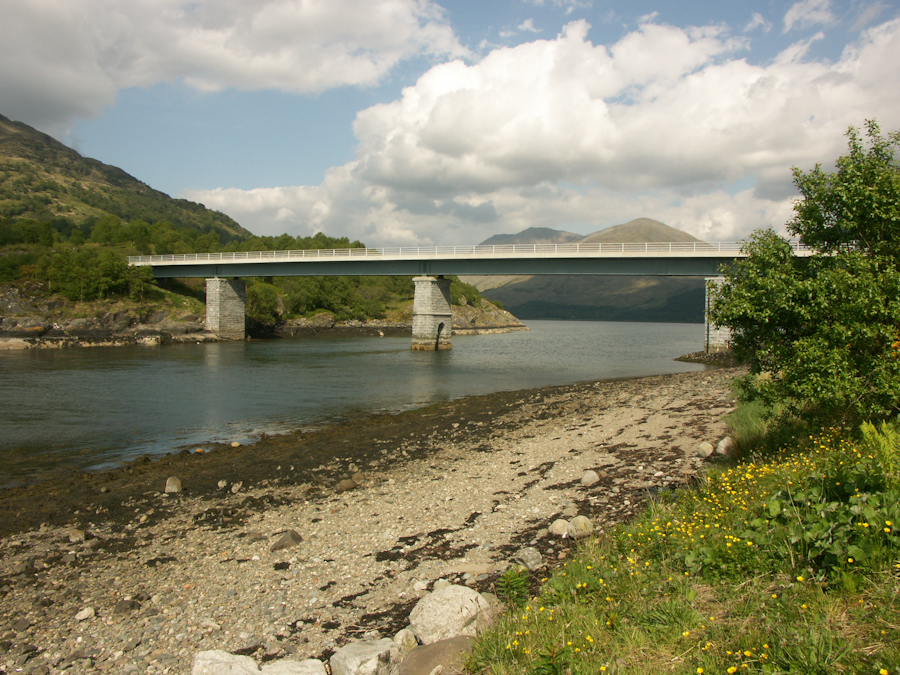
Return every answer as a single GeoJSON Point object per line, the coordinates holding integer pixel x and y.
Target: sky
{"type": "Point", "coordinates": [421, 122]}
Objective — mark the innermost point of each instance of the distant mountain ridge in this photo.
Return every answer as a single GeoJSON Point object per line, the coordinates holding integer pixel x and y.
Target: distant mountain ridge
{"type": "Point", "coordinates": [41, 178]}
{"type": "Point", "coordinates": [600, 298]}
{"type": "Point", "coordinates": [533, 235]}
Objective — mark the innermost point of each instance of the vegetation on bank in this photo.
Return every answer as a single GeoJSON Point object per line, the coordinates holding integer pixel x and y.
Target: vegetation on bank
{"type": "Point", "coordinates": [69, 222]}
{"type": "Point", "coordinates": [785, 558]}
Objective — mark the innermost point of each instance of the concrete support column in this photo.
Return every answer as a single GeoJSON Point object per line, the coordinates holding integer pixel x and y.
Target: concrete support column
{"type": "Point", "coordinates": [225, 305]}
{"type": "Point", "coordinates": [717, 338]}
{"type": "Point", "coordinates": [432, 322]}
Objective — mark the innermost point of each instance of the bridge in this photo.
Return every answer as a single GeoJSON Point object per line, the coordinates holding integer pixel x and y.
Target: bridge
{"type": "Point", "coordinates": [431, 307]}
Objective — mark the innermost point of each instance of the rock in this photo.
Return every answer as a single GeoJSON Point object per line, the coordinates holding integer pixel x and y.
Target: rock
{"type": "Point", "coordinates": [704, 450]}
{"type": "Point", "coordinates": [347, 485]}
{"type": "Point", "coordinates": [236, 487]}
{"type": "Point", "coordinates": [125, 606]}
{"type": "Point", "coordinates": [530, 557]}
{"type": "Point", "coordinates": [559, 528]}
{"type": "Point", "coordinates": [358, 477]}
{"type": "Point", "coordinates": [389, 661]}
{"type": "Point", "coordinates": [288, 539]}
{"type": "Point", "coordinates": [76, 536]}
{"type": "Point", "coordinates": [448, 655]}
{"type": "Point", "coordinates": [580, 527]}
{"type": "Point", "coordinates": [173, 484]}
{"type": "Point", "coordinates": [439, 584]}
{"type": "Point", "coordinates": [86, 613]}
{"type": "Point", "coordinates": [235, 444]}
{"type": "Point", "coordinates": [217, 662]}
{"type": "Point", "coordinates": [21, 625]}
{"type": "Point", "coordinates": [359, 658]}
{"type": "Point", "coordinates": [222, 484]}
{"type": "Point", "coordinates": [290, 667]}
{"type": "Point", "coordinates": [725, 445]}
{"type": "Point", "coordinates": [589, 478]}
{"type": "Point", "coordinates": [448, 612]}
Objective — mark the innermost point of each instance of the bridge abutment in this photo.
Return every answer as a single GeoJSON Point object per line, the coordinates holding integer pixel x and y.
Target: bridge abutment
{"type": "Point", "coordinates": [718, 338]}
{"type": "Point", "coordinates": [432, 321]}
{"type": "Point", "coordinates": [225, 307]}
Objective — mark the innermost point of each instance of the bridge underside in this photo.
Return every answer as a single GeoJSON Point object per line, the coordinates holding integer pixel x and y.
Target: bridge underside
{"type": "Point", "coordinates": [632, 266]}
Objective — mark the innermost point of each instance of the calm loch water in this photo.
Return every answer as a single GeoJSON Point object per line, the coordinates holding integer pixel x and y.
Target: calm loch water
{"type": "Point", "coordinates": [92, 408]}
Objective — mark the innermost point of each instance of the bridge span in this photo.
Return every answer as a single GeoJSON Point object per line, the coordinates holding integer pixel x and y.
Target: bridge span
{"type": "Point", "coordinates": [431, 309]}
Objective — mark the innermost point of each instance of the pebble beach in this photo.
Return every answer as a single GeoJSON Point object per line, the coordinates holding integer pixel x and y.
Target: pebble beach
{"type": "Point", "coordinates": [296, 545]}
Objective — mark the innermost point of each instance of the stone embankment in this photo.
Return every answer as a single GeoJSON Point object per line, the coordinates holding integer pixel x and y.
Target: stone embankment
{"type": "Point", "coordinates": [355, 566]}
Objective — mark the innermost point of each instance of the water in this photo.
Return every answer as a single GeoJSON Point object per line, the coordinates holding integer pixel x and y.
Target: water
{"type": "Point", "coordinates": [97, 407]}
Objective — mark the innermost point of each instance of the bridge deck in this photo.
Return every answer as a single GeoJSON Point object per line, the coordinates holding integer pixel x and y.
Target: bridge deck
{"type": "Point", "coordinates": [669, 258]}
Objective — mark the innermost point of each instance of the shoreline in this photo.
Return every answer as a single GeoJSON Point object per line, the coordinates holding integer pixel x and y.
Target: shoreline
{"type": "Point", "coordinates": [452, 491]}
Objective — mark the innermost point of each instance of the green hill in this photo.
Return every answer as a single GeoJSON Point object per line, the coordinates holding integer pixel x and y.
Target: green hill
{"type": "Point", "coordinates": [43, 180]}
{"type": "Point", "coordinates": [603, 298]}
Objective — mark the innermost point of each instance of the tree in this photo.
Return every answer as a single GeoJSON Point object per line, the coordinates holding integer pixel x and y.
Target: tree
{"type": "Point", "coordinates": [821, 335]}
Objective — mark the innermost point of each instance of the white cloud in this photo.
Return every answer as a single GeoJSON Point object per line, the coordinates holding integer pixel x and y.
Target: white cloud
{"type": "Point", "coordinates": [528, 26]}
{"type": "Point", "coordinates": [758, 21]}
{"type": "Point", "coordinates": [668, 123]}
{"type": "Point", "coordinates": [807, 13]}
{"type": "Point", "coordinates": [61, 59]}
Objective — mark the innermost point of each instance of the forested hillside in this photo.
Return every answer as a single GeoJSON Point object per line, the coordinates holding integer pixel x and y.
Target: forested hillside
{"type": "Point", "coordinates": [68, 222]}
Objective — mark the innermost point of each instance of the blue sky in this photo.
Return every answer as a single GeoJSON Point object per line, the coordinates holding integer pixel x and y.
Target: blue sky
{"type": "Point", "coordinates": [402, 122]}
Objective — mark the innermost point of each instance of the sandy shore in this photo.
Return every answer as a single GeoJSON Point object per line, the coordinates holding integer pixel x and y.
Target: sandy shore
{"type": "Point", "coordinates": [453, 491]}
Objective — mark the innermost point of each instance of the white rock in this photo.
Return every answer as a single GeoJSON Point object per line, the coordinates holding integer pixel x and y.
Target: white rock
{"type": "Point", "coordinates": [559, 528]}
{"type": "Point", "coordinates": [704, 450]}
{"type": "Point", "coordinates": [173, 484]}
{"type": "Point", "coordinates": [86, 613]}
{"type": "Point", "coordinates": [589, 478]}
{"type": "Point", "coordinates": [724, 446]}
{"type": "Point", "coordinates": [580, 527]}
{"type": "Point", "coordinates": [235, 444]}
{"type": "Point", "coordinates": [359, 658]}
{"type": "Point", "coordinates": [218, 662]}
{"type": "Point", "coordinates": [447, 613]}
{"type": "Point", "coordinates": [290, 667]}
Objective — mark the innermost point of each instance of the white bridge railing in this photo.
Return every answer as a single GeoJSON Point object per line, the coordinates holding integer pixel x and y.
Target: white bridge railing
{"type": "Point", "coordinates": [666, 249]}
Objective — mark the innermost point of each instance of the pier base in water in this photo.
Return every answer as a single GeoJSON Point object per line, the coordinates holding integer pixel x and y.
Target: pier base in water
{"type": "Point", "coordinates": [432, 321]}
{"type": "Point", "coordinates": [718, 338]}
{"type": "Point", "coordinates": [225, 307]}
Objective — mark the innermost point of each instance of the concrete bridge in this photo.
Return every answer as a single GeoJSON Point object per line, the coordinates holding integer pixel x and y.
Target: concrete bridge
{"type": "Point", "coordinates": [431, 307]}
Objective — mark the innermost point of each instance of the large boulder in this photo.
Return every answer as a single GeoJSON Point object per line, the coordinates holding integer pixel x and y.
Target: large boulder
{"type": "Point", "coordinates": [446, 613]}
{"type": "Point", "coordinates": [449, 655]}
{"type": "Point", "coordinates": [218, 662]}
{"type": "Point", "coordinates": [360, 658]}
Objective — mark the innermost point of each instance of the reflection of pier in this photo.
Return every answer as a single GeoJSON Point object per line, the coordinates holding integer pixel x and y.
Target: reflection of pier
{"type": "Point", "coordinates": [225, 299]}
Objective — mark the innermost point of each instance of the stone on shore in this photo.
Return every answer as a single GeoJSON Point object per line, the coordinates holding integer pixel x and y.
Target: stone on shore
{"type": "Point", "coordinates": [589, 478]}
{"type": "Point", "coordinates": [218, 662]}
{"type": "Point", "coordinates": [704, 450]}
{"type": "Point", "coordinates": [580, 527]}
{"type": "Point", "coordinates": [725, 445]}
{"type": "Point", "coordinates": [291, 667]}
{"type": "Point", "coordinates": [447, 613]}
{"type": "Point", "coordinates": [287, 540]}
{"type": "Point", "coordinates": [173, 484]}
{"type": "Point", "coordinates": [359, 658]}
{"type": "Point", "coordinates": [346, 485]}
{"type": "Point", "coordinates": [530, 557]}
{"type": "Point", "coordinates": [448, 655]}
{"type": "Point", "coordinates": [559, 528]}
{"type": "Point", "coordinates": [86, 613]}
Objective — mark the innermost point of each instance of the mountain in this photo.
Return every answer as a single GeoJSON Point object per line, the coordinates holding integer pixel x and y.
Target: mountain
{"type": "Point", "coordinates": [43, 179]}
{"type": "Point", "coordinates": [533, 235]}
{"type": "Point", "coordinates": [602, 298]}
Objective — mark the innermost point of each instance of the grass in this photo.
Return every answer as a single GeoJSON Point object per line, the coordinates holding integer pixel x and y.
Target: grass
{"type": "Point", "coordinates": [786, 563]}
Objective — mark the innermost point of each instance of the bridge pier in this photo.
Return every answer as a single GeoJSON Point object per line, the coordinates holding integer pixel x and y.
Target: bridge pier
{"type": "Point", "coordinates": [225, 307]}
{"type": "Point", "coordinates": [717, 338]}
{"type": "Point", "coordinates": [432, 321]}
